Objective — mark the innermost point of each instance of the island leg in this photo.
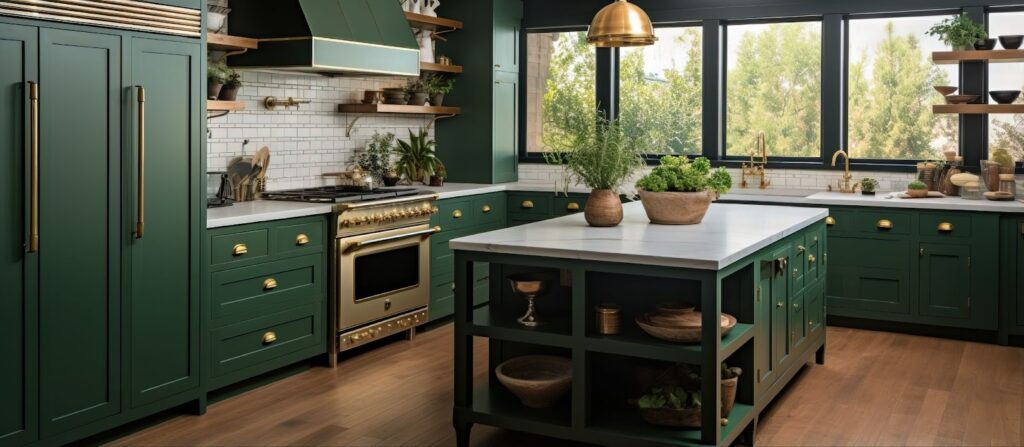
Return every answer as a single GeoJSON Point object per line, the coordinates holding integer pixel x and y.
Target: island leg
{"type": "Point", "coordinates": [462, 434]}
{"type": "Point", "coordinates": [463, 347]}
{"type": "Point", "coordinates": [710, 383]}
{"type": "Point", "coordinates": [819, 356]}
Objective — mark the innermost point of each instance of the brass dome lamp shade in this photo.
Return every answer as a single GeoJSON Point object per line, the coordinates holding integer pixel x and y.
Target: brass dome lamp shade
{"type": "Point", "coordinates": [621, 24]}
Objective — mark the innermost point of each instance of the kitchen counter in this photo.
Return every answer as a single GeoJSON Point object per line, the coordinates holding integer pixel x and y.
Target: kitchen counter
{"type": "Point", "coordinates": [728, 233]}
{"type": "Point", "coordinates": [262, 211]}
{"type": "Point", "coordinates": [883, 200]}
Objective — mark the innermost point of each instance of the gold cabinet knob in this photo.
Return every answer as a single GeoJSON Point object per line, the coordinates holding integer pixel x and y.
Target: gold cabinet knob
{"type": "Point", "coordinates": [486, 208]}
{"type": "Point", "coordinates": [239, 249]}
{"type": "Point", "coordinates": [527, 204]}
{"type": "Point", "coordinates": [811, 259]}
{"type": "Point", "coordinates": [796, 305]}
{"type": "Point", "coordinates": [830, 221]}
{"type": "Point", "coordinates": [301, 239]}
{"type": "Point", "coordinates": [437, 229]}
{"type": "Point", "coordinates": [457, 214]}
{"type": "Point", "coordinates": [572, 206]}
{"type": "Point", "coordinates": [884, 224]}
{"type": "Point", "coordinates": [269, 284]}
{"type": "Point", "coordinates": [801, 248]}
{"type": "Point", "coordinates": [780, 304]}
{"type": "Point", "coordinates": [269, 337]}
{"type": "Point", "coordinates": [945, 227]}
{"type": "Point", "coordinates": [810, 322]}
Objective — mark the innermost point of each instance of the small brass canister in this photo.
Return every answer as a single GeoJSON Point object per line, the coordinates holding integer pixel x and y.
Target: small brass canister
{"type": "Point", "coordinates": [609, 318]}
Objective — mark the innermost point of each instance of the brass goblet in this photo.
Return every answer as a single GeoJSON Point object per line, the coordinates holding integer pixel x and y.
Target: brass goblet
{"type": "Point", "coordinates": [529, 286]}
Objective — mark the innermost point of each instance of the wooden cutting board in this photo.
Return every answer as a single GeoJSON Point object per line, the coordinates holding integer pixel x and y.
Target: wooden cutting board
{"type": "Point", "coordinates": [931, 195]}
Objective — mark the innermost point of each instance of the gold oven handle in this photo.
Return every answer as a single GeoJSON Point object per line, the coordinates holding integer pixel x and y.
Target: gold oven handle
{"type": "Point", "coordinates": [140, 225]}
{"type": "Point", "coordinates": [884, 224]}
{"type": "Point", "coordinates": [33, 238]}
{"type": "Point", "coordinates": [362, 244]}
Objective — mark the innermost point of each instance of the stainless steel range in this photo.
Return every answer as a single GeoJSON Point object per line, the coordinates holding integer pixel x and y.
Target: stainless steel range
{"type": "Point", "coordinates": [380, 260]}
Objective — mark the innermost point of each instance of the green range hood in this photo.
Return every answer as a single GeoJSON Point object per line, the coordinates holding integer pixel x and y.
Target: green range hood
{"type": "Point", "coordinates": [326, 36]}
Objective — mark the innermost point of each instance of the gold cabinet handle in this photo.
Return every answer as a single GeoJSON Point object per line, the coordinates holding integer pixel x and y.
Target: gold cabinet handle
{"type": "Point", "coordinates": [301, 239]}
{"type": "Point", "coordinates": [830, 221]}
{"type": "Point", "coordinates": [527, 204]}
{"type": "Point", "coordinates": [437, 229]}
{"type": "Point", "coordinates": [33, 238]}
{"type": "Point", "coordinates": [486, 208]}
{"type": "Point", "coordinates": [801, 248]}
{"type": "Point", "coordinates": [269, 337]}
{"type": "Point", "coordinates": [140, 225]}
{"type": "Point", "coordinates": [884, 224]}
{"type": "Point", "coordinates": [945, 227]}
{"type": "Point", "coordinates": [269, 284]}
{"type": "Point", "coordinates": [796, 306]}
{"type": "Point", "coordinates": [457, 214]}
{"type": "Point", "coordinates": [239, 249]}
{"type": "Point", "coordinates": [811, 259]}
{"type": "Point", "coordinates": [780, 304]}
{"type": "Point", "coordinates": [810, 322]}
{"type": "Point", "coordinates": [572, 206]}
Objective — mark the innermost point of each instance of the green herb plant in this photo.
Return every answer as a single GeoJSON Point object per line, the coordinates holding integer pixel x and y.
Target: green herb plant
{"type": "Point", "coordinates": [232, 78]}
{"type": "Point", "coordinates": [868, 184]}
{"type": "Point", "coordinates": [376, 157]}
{"type": "Point", "coordinates": [917, 185]}
{"type": "Point", "coordinates": [437, 84]}
{"type": "Point", "coordinates": [679, 174]}
{"type": "Point", "coordinates": [417, 157]}
{"type": "Point", "coordinates": [670, 397]}
{"type": "Point", "coordinates": [596, 152]}
{"type": "Point", "coordinates": [217, 72]}
{"type": "Point", "coordinates": [416, 86]}
{"type": "Point", "coordinates": [959, 32]}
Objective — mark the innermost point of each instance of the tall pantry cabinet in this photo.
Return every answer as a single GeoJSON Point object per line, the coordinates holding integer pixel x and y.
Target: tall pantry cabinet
{"type": "Point", "coordinates": [100, 183]}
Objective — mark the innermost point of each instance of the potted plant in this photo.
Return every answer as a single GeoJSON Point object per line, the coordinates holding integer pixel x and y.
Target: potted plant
{"type": "Point", "coordinates": [596, 153]}
{"type": "Point", "coordinates": [417, 92]}
{"type": "Point", "coordinates": [416, 158]}
{"type": "Point", "coordinates": [440, 175]}
{"type": "Point", "coordinates": [232, 83]}
{"type": "Point", "coordinates": [959, 32]}
{"type": "Point", "coordinates": [671, 406]}
{"type": "Point", "coordinates": [215, 77]}
{"type": "Point", "coordinates": [375, 159]}
{"type": "Point", "coordinates": [917, 189]}
{"type": "Point", "coordinates": [868, 186]}
{"type": "Point", "coordinates": [438, 86]}
{"type": "Point", "coordinates": [679, 191]}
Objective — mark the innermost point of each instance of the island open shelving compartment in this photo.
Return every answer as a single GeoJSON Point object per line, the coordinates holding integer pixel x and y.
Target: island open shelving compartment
{"type": "Point", "coordinates": [600, 408]}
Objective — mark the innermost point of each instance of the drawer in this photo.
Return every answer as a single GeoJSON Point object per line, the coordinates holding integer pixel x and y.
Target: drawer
{"type": "Point", "coordinates": [530, 204]}
{"type": "Point", "coordinates": [881, 222]}
{"type": "Point", "coordinates": [797, 321]}
{"type": "Point", "coordinates": [490, 209]}
{"type": "Point", "coordinates": [260, 341]}
{"type": "Point", "coordinates": [239, 247]}
{"type": "Point", "coordinates": [569, 205]}
{"type": "Point", "coordinates": [839, 220]}
{"type": "Point", "coordinates": [456, 214]}
{"type": "Point", "coordinates": [956, 226]}
{"type": "Point", "coordinates": [298, 238]}
{"type": "Point", "coordinates": [246, 292]}
{"type": "Point", "coordinates": [815, 310]}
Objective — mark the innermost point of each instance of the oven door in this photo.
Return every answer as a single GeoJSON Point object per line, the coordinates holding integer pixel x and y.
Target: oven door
{"type": "Point", "coordinates": [382, 274]}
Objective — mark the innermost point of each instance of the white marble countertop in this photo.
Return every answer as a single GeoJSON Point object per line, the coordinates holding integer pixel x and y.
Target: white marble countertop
{"type": "Point", "coordinates": [945, 203]}
{"type": "Point", "coordinates": [728, 233]}
{"type": "Point", "coordinates": [262, 211]}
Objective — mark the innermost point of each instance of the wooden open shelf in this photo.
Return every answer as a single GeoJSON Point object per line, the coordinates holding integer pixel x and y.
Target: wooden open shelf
{"type": "Point", "coordinates": [432, 23]}
{"type": "Point", "coordinates": [978, 109]}
{"type": "Point", "coordinates": [224, 42]}
{"type": "Point", "coordinates": [994, 56]}
{"type": "Point", "coordinates": [440, 68]}
{"type": "Point", "coordinates": [224, 106]}
{"type": "Point", "coordinates": [395, 108]}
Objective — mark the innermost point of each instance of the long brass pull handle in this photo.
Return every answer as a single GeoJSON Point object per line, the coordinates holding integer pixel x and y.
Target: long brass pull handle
{"type": "Point", "coordinates": [269, 284]}
{"type": "Point", "coordinates": [239, 249]}
{"type": "Point", "coordinates": [486, 209]}
{"type": "Point", "coordinates": [33, 237]}
{"type": "Point", "coordinates": [572, 206]}
{"type": "Point", "coordinates": [422, 233]}
{"type": "Point", "coordinates": [830, 221]}
{"type": "Point", "coordinates": [945, 227]}
{"type": "Point", "coordinates": [141, 224]}
{"type": "Point", "coordinates": [269, 337]}
{"type": "Point", "coordinates": [457, 214]}
{"type": "Point", "coordinates": [884, 224]}
{"type": "Point", "coordinates": [301, 239]}
{"type": "Point", "coordinates": [527, 204]}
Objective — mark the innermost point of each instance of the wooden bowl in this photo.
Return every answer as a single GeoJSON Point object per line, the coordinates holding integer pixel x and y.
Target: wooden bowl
{"type": "Point", "coordinates": [681, 329]}
{"type": "Point", "coordinates": [674, 308]}
{"type": "Point", "coordinates": [685, 418]}
{"type": "Point", "coordinates": [537, 380]}
{"type": "Point", "coordinates": [961, 99]}
{"type": "Point", "coordinates": [998, 195]}
{"type": "Point", "coordinates": [946, 90]}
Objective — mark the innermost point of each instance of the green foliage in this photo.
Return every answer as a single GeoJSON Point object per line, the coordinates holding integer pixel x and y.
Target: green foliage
{"type": "Point", "coordinates": [1002, 156]}
{"type": "Point", "coordinates": [959, 32]}
{"type": "Point", "coordinates": [438, 84]}
{"type": "Point", "coordinates": [681, 175]}
{"type": "Point", "coordinates": [376, 157]}
{"type": "Point", "coordinates": [917, 185]}
{"type": "Point", "coordinates": [217, 72]}
{"type": "Point", "coordinates": [233, 79]}
{"type": "Point", "coordinates": [416, 86]}
{"type": "Point", "coordinates": [596, 152]}
{"type": "Point", "coordinates": [670, 397]}
{"type": "Point", "coordinates": [569, 94]}
{"type": "Point", "coordinates": [868, 184]}
{"type": "Point", "coordinates": [417, 157]}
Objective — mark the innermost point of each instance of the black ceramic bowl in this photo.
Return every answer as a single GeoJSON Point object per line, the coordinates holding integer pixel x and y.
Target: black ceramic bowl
{"type": "Point", "coordinates": [985, 44]}
{"type": "Point", "coordinates": [1005, 96]}
{"type": "Point", "coordinates": [1011, 42]}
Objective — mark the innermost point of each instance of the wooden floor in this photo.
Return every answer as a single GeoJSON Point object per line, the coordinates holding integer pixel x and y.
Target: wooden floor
{"type": "Point", "coordinates": [876, 389]}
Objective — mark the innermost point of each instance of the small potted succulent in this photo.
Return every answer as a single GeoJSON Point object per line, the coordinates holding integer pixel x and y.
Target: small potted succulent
{"type": "Point", "coordinates": [417, 90]}
{"type": "Point", "coordinates": [679, 191]}
{"type": "Point", "coordinates": [917, 189]}
{"type": "Point", "coordinates": [959, 32]}
{"type": "Point", "coordinates": [440, 174]}
{"type": "Point", "coordinates": [216, 76]}
{"type": "Point", "coordinates": [868, 186]}
{"type": "Point", "coordinates": [437, 87]}
{"type": "Point", "coordinates": [232, 83]}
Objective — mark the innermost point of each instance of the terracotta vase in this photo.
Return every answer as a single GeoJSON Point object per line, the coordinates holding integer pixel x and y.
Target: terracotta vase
{"type": "Point", "coordinates": [676, 208]}
{"type": "Point", "coordinates": [603, 209]}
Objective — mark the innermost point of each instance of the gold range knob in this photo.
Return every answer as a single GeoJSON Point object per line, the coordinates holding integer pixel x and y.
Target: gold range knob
{"type": "Point", "coordinates": [269, 337]}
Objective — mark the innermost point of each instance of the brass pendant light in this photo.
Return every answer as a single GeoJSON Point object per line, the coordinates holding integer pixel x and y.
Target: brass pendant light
{"type": "Point", "coordinates": [621, 24]}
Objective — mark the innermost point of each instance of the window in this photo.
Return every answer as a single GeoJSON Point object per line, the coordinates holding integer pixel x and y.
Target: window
{"type": "Point", "coordinates": [1006, 131]}
{"type": "Point", "coordinates": [774, 86]}
{"type": "Point", "coordinates": [890, 80]}
{"type": "Point", "coordinates": [660, 90]}
{"type": "Point", "coordinates": [560, 84]}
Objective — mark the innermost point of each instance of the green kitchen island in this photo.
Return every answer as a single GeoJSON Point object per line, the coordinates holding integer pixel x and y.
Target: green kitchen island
{"type": "Point", "coordinates": [764, 265]}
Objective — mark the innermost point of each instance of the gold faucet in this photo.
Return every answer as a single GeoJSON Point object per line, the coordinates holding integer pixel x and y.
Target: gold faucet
{"type": "Point", "coordinates": [755, 168]}
{"type": "Point", "coordinates": [844, 184]}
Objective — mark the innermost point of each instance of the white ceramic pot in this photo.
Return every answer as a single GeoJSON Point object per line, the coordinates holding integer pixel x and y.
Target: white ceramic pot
{"type": "Point", "coordinates": [414, 6]}
{"type": "Point", "coordinates": [429, 6]}
{"type": "Point", "coordinates": [426, 46]}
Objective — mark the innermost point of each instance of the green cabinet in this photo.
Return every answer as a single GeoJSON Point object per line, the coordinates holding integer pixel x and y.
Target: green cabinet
{"type": "Point", "coordinates": [525, 207]}
{"type": "Point", "coordinates": [18, 268]}
{"type": "Point", "coordinates": [944, 272]}
{"type": "Point", "coordinates": [869, 274]}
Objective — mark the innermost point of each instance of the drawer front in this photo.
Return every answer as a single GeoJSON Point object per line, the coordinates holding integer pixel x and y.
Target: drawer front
{"type": "Point", "coordinates": [569, 205]}
{"type": "Point", "coordinates": [839, 221]}
{"type": "Point", "coordinates": [955, 226]}
{"type": "Point", "coordinates": [247, 292]}
{"type": "Point", "coordinates": [490, 209]}
{"type": "Point", "coordinates": [797, 322]}
{"type": "Point", "coordinates": [262, 340]}
{"type": "Point", "coordinates": [454, 214]}
{"type": "Point", "coordinates": [815, 310]}
{"type": "Point", "coordinates": [881, 222]}
{"type": "Point", "coordinates": [232, 248]}
{"type": "Point", "coordinates": [813, 241]}
{"type": "Point", "coordinates": [298, 238]}
{"type": "Point", "coordinates": [524, 206]}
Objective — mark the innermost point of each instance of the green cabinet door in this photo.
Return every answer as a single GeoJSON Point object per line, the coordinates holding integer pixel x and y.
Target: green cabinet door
{"type": "Point", "coordinates": [508, 15]}
{"type": "Point", "coordinates": [81, 233]}
{"type": "Point", "coordinates": [780, 294]}
{"type": "Point", "coordinates": [18, 386]}
{"type": "Point", "coordinates": [162, 309]}
{"type": "Point", "coordinates": [763, 340]}
{"type": "Point", "coordinates": [868, 275]}
{"type": "Point", "coordinates": [945, 280]}
{"type": "Point", "coordinates": [505, 134]}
